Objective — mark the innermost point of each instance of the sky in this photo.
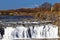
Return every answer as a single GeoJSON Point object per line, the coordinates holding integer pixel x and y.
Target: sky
{"type": "Point", "coordinates": [15, 4]}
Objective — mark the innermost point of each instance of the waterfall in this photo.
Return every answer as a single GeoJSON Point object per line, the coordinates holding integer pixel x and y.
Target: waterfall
{"type": "Point", "coordinates": [7, 35]}
{"type": "Point", "coordinates": [36, 31]}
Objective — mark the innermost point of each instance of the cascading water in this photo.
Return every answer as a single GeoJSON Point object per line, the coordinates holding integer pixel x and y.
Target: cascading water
{"type": "Point", "coordinates": [42, 31]}
{"type": "Point", "coordinates": [7, 35]}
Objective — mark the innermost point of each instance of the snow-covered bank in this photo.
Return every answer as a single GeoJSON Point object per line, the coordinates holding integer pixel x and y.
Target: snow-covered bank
{"type": "Point", "coordinates": [36, 31]}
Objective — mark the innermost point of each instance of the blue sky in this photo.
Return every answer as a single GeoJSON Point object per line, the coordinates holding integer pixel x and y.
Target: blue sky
{"type": "Point", "coordinates": [14, 4]}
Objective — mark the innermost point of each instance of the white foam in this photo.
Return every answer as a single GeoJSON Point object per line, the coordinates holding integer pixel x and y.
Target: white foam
{"type": "Point", "coordinates": [50, 31]}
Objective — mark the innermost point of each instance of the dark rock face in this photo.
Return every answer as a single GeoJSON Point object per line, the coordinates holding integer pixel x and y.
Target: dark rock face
{"type": "Point", "coordinates": [1, 31]}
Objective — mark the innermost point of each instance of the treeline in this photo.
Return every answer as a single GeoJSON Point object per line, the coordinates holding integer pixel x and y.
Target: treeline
{"type": "Point", "coordinates": [43, 7]}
